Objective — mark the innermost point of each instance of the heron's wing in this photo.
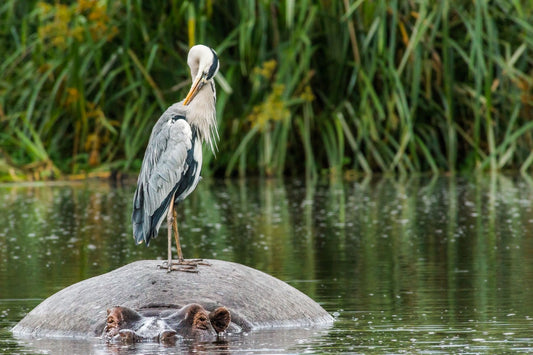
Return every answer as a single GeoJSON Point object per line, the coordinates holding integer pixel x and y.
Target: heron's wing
{"type": "Point", "coordinates": [164, 165]}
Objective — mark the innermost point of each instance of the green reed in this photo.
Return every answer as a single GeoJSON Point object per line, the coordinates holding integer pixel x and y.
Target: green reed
{"type": "Point", "coordinates": [305, 87]}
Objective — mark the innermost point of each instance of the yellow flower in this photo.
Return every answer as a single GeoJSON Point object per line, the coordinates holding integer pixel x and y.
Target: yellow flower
{"type": "Point", "coordinates": [267, 69]}
{"type": "Point", "coordinates": [61, 23]}
{"type": "Point", "coordinates": [85, 5]}
{"type": "Point", "coordinates": [44, 8]}
{"type": "Point", "coordinates": [77, 33]}
{"type": "Point", "coordinates": [73, 96]}
{"type": "Point", "coordinates": [94, 111]}
{"type": "Point", "coordinates": [307, 95]}
{"type": "Point", "coordinates": [273, 108]}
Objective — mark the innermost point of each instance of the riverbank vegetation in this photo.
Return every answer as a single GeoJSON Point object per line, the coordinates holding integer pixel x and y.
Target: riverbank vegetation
{"type": "Point", "coordinates": [305, 87]}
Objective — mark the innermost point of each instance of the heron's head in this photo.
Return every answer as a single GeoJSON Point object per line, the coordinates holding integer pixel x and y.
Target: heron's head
{"type": "Point", "coordinates": [203, 62]}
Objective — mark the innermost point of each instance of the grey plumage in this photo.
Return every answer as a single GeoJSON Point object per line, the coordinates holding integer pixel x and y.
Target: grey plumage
{"type": "Point", "coordinates": [173, 159]}
{"type": "Point", "coordinates": [168, 167]}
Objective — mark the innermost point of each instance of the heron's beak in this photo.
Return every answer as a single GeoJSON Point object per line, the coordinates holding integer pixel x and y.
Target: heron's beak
{"type": "Point", "coordinates": [198, 83]}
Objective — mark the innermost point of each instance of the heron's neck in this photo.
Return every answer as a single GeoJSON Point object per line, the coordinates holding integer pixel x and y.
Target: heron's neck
{"type": "Point", "coordinates": [202, 114]}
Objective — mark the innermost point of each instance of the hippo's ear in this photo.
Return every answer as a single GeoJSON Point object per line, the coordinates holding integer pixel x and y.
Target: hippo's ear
{"type": "Point", "coordinates": [220, 319]}
{"type": "Point", "coordinates": [198, 317]}
{"type": "Point", "coordinates": [120, 316]}
{"type": "Point", "coordinates": [114, 317]}
{"type": "Point", "coordinates": [113, 321]}
{"type": "Point", "coordinates": [112, 309]}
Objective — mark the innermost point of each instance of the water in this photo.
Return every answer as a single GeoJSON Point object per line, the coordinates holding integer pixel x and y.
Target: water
{"type": "Point", "coordinates": [420, 265]}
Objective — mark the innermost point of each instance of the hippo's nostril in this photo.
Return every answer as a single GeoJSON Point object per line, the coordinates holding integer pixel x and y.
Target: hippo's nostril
{"type": "Point", "coordinates": [167, 336]}
{"type": "Point", "coordinates": [127, 336]}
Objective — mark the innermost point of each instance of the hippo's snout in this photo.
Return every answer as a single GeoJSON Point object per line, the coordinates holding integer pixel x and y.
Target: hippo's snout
{"type": "Point", "coordinates": [128, 326]}
{"type": "Point", "coordinates": [128, 336]}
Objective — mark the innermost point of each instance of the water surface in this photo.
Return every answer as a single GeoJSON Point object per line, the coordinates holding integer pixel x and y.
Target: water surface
{"type": "Point", "coordinates": [419, 265]}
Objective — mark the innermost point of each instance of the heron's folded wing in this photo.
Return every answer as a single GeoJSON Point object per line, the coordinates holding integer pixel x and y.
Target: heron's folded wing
{"type": "Point", "coordinates": [161, 172]}
{"type": "Point", "coordinates": [169, 168]}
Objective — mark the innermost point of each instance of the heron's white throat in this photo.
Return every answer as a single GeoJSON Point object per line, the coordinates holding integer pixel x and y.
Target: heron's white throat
{"type": "Point", "coordinates": [201, 113]}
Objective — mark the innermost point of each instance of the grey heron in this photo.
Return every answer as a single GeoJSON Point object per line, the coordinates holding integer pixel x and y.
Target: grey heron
{"type": "Point", "coordinates": [172, 161]}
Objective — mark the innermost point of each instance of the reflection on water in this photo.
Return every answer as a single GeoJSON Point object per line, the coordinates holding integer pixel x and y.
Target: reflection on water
{"type": "Point", "coordinates": [418, 265]}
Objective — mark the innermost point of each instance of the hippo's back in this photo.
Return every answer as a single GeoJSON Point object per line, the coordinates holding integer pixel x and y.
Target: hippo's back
{"type": "Point", "coordinates": [256, 300]}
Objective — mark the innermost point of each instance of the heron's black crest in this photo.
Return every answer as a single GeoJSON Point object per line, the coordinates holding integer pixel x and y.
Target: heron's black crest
{"type": "Point", "coordinates": [214, 66]}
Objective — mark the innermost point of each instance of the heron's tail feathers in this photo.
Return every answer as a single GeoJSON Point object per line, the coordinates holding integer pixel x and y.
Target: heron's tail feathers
{"type": "Point", "coordinates": [139, 225]}
{"type": "Point", "coordinates": [145, 226]}
{"type": "Point", "coordinates": [142, 229]}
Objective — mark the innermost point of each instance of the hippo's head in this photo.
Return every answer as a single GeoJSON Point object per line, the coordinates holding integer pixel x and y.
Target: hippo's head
{"type": "Point", "coordinates": [164, 325]}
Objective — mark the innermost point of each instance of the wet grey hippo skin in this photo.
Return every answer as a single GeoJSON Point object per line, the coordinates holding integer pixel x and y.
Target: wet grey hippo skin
{"type": "Point", "coordinates": [255, 300]}
{"type": "Point", "coordinates": [165, 325]}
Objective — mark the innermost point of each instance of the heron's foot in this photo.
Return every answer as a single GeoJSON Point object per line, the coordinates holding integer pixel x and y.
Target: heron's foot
{"type": "Point", "coordinates": [191, 262]}
{"type": "Point", "coordinates": [185, 265]}
{"type": "Point", "coordinates": [175, 266]}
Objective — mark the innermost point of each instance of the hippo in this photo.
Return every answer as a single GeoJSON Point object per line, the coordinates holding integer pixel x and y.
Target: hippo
{"type": "Point", "coordinates": [164, 325]}
{"type": "Point", "coordinates": [140, 302]}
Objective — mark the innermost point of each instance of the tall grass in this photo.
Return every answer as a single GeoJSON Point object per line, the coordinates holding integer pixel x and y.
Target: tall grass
{"type": "Point", "coordinates": [305, 87]}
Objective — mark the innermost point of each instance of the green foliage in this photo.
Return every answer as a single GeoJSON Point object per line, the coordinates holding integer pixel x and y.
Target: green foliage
{"type": "Point", "coordinates": [304, 87]}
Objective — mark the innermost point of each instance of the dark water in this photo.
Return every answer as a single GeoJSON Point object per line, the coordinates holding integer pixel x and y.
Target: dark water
{"type": "Point", "coordinates": [419, 265]}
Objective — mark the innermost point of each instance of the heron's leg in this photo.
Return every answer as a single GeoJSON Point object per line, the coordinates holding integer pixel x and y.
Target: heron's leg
{"type": "Point", "coordinates": [182, 265]}
{"type": "Point", "coordinates": [170, 221]}
{"type": "Point", "coordinates": [177, 236]}
{"type": "Point", "coordinates": [187, 265]}
{"type": "Point", "coordinates": [173, 224]}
